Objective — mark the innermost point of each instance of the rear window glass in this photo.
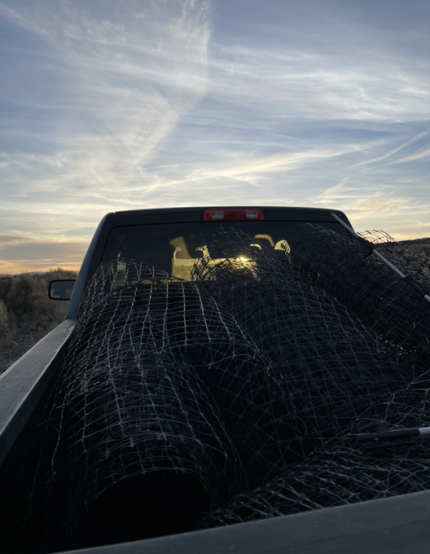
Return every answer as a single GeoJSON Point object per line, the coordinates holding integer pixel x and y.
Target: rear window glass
{"type": "Point", "coordinates": [176, 247]}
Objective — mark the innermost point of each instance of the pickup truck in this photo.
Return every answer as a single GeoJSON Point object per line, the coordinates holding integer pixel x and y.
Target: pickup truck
{"type": "Point", "coordinates": [185, 251]}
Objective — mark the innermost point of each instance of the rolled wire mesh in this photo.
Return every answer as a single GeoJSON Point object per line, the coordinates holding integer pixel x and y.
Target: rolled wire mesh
{"type": "Point", "coordinates": [394, 330]}
{"type": "Point", "coordinates": [329, 478]}
{"type": "Point", "coordinates": [331, 364]}
{"type": "Point", "coordinates": [157, 376]}
{"type": "Point", "coordinates": [368, 287]}
{"type": "Point", "coordinates": [251, 377]}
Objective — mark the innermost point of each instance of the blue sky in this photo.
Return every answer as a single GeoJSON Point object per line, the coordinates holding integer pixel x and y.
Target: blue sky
{"type": "Point", "coordinates": [109, 105]}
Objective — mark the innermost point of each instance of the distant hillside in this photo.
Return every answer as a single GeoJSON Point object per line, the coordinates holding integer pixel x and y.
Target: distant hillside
{"type": "Point", "coordinates": [418, 247]}
{"type": "Point", "coordinates": [412, 257]}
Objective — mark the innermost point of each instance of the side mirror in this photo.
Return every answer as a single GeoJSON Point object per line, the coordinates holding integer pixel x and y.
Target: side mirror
{"type": "Point", "coordinates": [61, 290]}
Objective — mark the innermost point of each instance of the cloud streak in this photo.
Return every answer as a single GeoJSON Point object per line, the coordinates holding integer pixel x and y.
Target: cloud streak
{"type": "Point", "coordinates": [389, 154]}
{"type": "Point", "coordinates": [131, 75]}
{"type": "Point", "coordinates": [311, 83]}
{"type": "Point", "coordinates": [259, 166]}
{"type": "Point", "coordinates": [417, 156]}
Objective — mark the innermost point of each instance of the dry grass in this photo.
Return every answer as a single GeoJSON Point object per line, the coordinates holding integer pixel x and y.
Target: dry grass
{"type": "Point", "coordinates": [418, 247]}
{"type": "Point", "coordinates": [26, 312]}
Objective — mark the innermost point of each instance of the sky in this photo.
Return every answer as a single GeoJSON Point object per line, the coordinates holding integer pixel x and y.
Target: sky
{"type": "Point", "coordinates": [117, 105]}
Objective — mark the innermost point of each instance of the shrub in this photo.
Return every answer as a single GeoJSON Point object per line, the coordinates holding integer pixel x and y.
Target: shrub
{"type": "Point", "coordinates": [26, 312]}
{"type": "Point", "coordinates": [4, 322]}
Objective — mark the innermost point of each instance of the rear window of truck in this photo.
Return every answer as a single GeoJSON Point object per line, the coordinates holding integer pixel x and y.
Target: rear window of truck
{"type": "Point", "coordinates": [176, 247]}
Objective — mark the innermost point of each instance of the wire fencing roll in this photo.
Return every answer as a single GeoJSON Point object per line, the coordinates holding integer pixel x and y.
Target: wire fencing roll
{"type": "Point", "coordinates": [252, 378]}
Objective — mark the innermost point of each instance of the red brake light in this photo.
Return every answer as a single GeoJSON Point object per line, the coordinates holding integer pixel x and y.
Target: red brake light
{"type": "Point", "coordinates": [233, 214]}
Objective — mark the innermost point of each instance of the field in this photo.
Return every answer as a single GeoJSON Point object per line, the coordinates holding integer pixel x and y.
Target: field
{"type": "Point", "coordinates": [26, 312]}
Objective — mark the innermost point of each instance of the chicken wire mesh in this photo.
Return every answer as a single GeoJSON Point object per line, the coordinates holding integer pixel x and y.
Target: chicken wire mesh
{"type": "Point", "coordinates": [253, 378]}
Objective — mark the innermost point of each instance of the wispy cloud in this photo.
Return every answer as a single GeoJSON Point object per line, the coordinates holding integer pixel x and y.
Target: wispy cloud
{"type": "Point", "coordinates": [385, 156]}
{"type": "Point", "coordinates": [354, 199]}
{"type": "Point", "coordinates": [417, 156]}
{"type": "Point", "coordinates": [377, 204]}
{"type": "Point", "coordinates": [131, 73]}
{"type": "Point", "coordinates": [304, 82]}
{"type": "Point", "coordinates": [336, 193]}
{"type": "Point", "coordinates": [259, 166]}
{"type": "Point", "coordinates": [419, 224]}
{"type": "Point", "coordinates": [35, 253]}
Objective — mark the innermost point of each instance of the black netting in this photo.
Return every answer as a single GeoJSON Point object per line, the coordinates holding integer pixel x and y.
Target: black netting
{"type": "Point", "coordinates": [253, 376]}
{"type": "Point", "coordinates": [329, 478]}
{"type": "Point", "coordinates": [368, 287]}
